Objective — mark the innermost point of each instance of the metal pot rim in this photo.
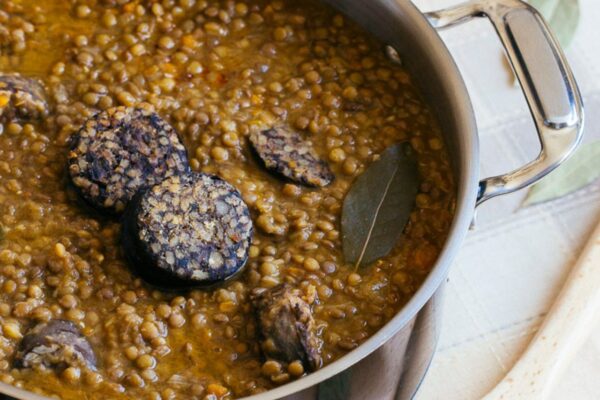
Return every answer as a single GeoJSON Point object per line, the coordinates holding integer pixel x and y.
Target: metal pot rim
{"type": "Point", "coordinates": [467, 178]}
{"type": "Point", "coordinates": [467, 185]}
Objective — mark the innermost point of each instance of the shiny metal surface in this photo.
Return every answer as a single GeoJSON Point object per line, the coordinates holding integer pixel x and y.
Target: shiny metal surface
{"type": "Point", "coordinates": [545, 77]}
{"type": "Point", "coordinates": [400, 25]}
{"type": "Point", "coordinates": [421, 347]}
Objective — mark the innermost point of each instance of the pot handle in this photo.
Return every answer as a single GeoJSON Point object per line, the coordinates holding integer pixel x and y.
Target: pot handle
{"type": "Point", "coordinates": [545, 77]}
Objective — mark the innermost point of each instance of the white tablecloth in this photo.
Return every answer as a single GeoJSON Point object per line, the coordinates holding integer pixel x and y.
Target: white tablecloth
{"type": "Point", "coordinates": [513, 264]}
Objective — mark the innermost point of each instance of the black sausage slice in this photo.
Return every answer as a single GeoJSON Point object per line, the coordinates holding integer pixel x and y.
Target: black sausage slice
{"type": "Point", "coordinates": [57, 344]}
{"type": "Point", "coordinates": [121, 150]}
{"type": "Point", "coordinates": [286, 153]}
{"type": "Point", "coordinates": [21, 98]}
{"type": "Point", "coordinates": [188, 230]}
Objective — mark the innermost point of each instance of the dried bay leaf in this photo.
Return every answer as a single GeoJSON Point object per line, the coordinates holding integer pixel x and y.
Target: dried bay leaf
{"type": "Point", "coordinates": [378, 206]}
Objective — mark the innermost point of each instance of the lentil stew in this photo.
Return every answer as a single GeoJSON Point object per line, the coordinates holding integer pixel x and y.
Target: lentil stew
{"type": "Point", "coordinates": [219, 72]}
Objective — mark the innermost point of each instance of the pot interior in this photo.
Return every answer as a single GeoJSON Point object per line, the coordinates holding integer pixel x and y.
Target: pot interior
{"type": "Point", "coordinates": [400, 25]}
{"type": "Point", "coordinates": [421, 50]}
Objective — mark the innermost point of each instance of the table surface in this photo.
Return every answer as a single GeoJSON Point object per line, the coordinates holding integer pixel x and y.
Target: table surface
{"type": "Point", "coordinates": [513, 264]}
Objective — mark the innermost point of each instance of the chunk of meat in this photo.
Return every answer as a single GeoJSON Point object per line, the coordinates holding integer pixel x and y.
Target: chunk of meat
{"type": "Point", "coordinates": [21, 98]}
{"type": "Point", "coordinates": [57, 344]}
{"type": "Point", "coordinates": [286, 327]}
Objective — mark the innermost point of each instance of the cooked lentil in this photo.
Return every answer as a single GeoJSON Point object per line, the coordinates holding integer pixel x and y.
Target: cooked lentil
{"type": "Point", "coordinates": [217, 71]}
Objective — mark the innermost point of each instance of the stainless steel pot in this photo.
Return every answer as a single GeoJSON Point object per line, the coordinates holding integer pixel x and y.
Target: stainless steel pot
{"type": "Point", "coordinates": [556, 108]}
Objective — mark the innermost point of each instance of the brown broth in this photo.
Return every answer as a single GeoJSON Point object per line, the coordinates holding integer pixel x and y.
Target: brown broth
{"type": "Point", "coordinates": [215, 70]}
